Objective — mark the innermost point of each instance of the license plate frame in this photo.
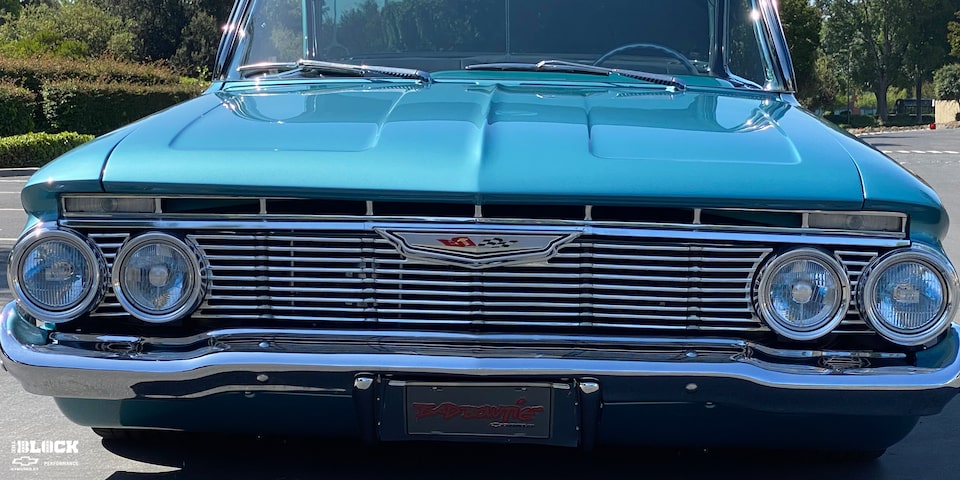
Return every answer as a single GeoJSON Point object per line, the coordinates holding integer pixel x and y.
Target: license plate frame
{"type": "Point", "coordinates": [544, 413]}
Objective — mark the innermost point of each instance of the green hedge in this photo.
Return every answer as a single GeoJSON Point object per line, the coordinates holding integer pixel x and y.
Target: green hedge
{"type": "Point", "coordinates": [36, 149]}
{"type": "Point", "coordinates": [16, 110]}
{"type": "Point", "coordinates": [852, 121]}
{"type": "Point", "coordinates": [32, 73]}
{"type": "Point", "coordinates": [98, 108]}
{"type": "Point", "coordinates": [908, 120]}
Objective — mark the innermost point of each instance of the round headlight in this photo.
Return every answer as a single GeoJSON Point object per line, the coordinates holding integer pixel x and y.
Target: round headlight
{"type": "Point", "coordinates": [803, 294]}
{"type": "Point", "coordinates": [157, 277]}
{"type": "Point", "coordinates": [907, 296]}
{"type": "Point", "coordinates": [56, 275]}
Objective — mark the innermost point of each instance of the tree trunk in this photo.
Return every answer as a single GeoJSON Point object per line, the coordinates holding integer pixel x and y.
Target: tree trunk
{"type": "Point", "coordinates": [880, 90]}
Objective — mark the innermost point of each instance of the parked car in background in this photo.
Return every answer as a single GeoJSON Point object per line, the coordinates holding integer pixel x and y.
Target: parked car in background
{"type": "Point", "coordinates": [529, 221]}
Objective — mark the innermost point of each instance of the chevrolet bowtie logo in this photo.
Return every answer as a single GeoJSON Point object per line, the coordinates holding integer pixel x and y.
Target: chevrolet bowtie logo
{"type": "Point", "coordinates": [483, 249]}
{"type": "Point", "coordinates": [26, 461]}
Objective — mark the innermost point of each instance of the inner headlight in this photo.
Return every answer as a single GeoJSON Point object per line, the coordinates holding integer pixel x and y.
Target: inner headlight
{"type": "Point", "coordinates": [55, 274]}
{"type": "Point", "coordinates": [803, 294]}
{"type": "Point", "coordinates": [157, 277]}
{"type": "Point", "coordinates": [907, 296]}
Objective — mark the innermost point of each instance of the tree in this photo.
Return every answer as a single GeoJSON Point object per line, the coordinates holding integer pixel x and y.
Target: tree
{"type": "Point", "coordinates": [946, 81]}
{"type": "Point", "coordinates": [198, 45]}
{"type": "Point", "coordinates": [186, 32]}
{"type": "Point", "coordinates": [75, 29]}
{"type": "Point", "coordinates": [864, 37]}
{"type": "Point", "coordinates": [826, 85]}
{"type": "Point", "coordinates": [925, 38]}
{"type": "Point", "coordinates": [801, 25]}
{"type": "Point", "coordinates": [11, 7]}
{"type": "Point", "coordinates": [157, 24]}
{"type": "Point", "coordinates": [953, 35]}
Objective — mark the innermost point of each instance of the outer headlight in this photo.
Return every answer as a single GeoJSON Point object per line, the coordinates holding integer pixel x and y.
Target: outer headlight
{"type": "Point", "coordinates": [803, 294]}
{"type": "Point", "coordinates": [157, 277]}
{"type": "Point", "coordinates": [908, 295]}
{"type": "Point", "coordinates": [56, 275]}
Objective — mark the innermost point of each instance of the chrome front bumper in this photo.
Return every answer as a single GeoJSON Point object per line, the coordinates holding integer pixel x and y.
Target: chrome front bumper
{"type": "Point", "coordinates": [628, 370]}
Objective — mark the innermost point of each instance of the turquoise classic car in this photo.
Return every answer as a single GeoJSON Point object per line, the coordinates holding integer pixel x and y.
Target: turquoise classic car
{"type": "Point", "coordinates": [550, 222]}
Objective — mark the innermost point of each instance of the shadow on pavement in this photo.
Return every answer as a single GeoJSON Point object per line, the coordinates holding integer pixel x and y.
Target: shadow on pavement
{"type": "Point", "coordinates": [4, 257]}
{"type": "Point", "coordinates": [207, 457]}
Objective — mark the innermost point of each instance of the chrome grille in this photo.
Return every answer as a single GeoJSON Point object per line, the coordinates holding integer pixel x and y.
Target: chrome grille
{"type": "Point", "coordinates": [597, 281]}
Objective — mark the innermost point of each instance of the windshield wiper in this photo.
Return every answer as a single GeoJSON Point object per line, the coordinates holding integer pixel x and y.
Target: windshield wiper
{"type": "Point", "coordinates": [573, 67]}
{"type": "Point", "coordinates": [331, 68]}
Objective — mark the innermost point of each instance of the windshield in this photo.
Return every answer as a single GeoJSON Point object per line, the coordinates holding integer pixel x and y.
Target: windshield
{"type": "Point", "coordinates": [683, 38]}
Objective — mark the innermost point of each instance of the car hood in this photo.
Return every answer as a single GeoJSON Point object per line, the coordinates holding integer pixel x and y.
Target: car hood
{"type": "Point", "coordinates": [458, 141]}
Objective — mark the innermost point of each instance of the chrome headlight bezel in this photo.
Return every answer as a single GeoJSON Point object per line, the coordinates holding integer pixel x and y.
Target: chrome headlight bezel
{"type": "Point", "coordinates": [932, 260]}
{"type": "Point", "coordinates": [188, 303]}
{"type": "Point", "coordinates": [93, 292]}
{"type": "Point", "coordinates": [765, 308]}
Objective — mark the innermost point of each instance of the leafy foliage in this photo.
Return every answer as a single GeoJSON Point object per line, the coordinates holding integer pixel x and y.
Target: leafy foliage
{"type": "Point", "coordinates": [801, 25]}
{"type": "Point", "coordinates": [946, 82]}
{"type": "Point", "coordinates": [852, 121]}
{"type": "Point", "coordinates": [16, 110]}
{"type": "Point", "coordinates": [185, 32]}
{"type": "Point", "coordinates": [925, 36]}
{"type": "Point", "coordinates": [10, 6]}
{"type": "Point", "coordinates": [33, 74]}
{"type": "Point", "coordinates": [198, 46]}
{"type": "Point", "coordinates": [883, 43]}
{"type": "Point", "coordinates": [953, 35]}
{"type": "Point", "coordinates": [908, 120]}
{"type": "Point", "coordinates": [859, 35]}
{"type": "Point", "coordinates": [73, 29]}
{"type": "Point", "coordinates": [97, 108]}
{"type": "Point", "coordinates": [36, 149]}
{"type": "Point", "coordinates": [30, 73]}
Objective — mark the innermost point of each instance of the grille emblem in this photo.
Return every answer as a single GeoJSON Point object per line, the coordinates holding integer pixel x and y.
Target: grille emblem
{"type": "Point", "coordinates": [458, 242]}
{"type": "Point", "coordinates": [477, 250]}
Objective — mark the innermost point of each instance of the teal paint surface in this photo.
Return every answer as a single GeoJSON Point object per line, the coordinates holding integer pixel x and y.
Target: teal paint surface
{"type": "Point", "coordinates": [494, 137]}
{"type": "Point", "coordinates": [488, 142]}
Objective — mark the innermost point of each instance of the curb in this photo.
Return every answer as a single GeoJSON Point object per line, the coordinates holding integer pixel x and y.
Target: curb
{"type": "Point", "coordinates": [17, 172]}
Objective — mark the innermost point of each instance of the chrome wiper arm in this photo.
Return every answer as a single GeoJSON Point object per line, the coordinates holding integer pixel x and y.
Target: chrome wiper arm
{"type": "Point", "coordinates": [334, 68]}
{"type": "Point", "coordinates": [574, 67]}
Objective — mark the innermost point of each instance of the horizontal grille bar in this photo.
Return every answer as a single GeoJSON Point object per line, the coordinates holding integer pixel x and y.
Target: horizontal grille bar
{"type": "Point", "coordinates": [595, 282]}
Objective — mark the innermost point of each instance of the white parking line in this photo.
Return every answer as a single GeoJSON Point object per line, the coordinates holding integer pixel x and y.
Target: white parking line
{"type": "Point", "coordinates": [923, 152]}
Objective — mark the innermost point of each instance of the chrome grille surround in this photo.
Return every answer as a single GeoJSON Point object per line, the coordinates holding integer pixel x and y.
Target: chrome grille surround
{"type": "Point", "coordinates": [609, 278]}
{"type": "Point", "coordinates": [749, 220]}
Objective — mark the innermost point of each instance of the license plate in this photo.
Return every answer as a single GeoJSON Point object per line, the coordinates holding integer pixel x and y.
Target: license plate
{"type": "Point", "coordinates": [479, 410]}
